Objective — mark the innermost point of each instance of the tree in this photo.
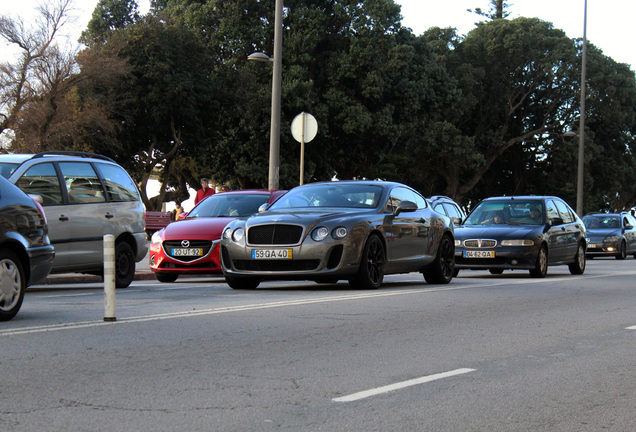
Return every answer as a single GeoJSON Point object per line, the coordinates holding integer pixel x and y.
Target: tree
{"type": "Point", "coordinates": [516, 77]}
{"type": "Point", "coordinates": [169, 104]}
{"type": "Point", "coordinates": [497, 10]}
{"type": "Point", "coordinates": [25, 79]}
{"type": "Point", "coordinates": [109, 15]}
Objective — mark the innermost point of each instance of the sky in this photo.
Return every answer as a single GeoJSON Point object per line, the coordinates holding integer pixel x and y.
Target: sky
{"type": "Point", "coordinates": [609, 22]}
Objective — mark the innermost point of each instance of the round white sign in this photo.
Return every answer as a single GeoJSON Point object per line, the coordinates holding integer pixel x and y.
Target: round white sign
{"type": "Point", "coordinates": [306, 133]}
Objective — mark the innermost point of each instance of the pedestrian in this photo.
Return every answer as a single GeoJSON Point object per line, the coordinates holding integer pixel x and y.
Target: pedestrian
{"type": "Point", "coordinates": [204, 192]}
{"type": "Point", "coordinates": [178, 210]}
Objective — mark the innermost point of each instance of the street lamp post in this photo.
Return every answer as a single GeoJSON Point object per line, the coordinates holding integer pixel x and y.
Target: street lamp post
{"type": "Point", "coordinates": [277, 73]}
{"type": "Point", "coordinates": [579, 180]}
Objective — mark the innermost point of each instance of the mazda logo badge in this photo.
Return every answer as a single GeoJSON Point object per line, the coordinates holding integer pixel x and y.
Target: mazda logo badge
{"type": "Point", "coordinates": [185, 243]}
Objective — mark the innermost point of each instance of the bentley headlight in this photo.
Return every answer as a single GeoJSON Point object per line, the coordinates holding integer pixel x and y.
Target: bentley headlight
{"type": "Point", "coordinates": [238, 234]}
{"type": "Point", "coordinates": [339, 233]}
{"type": "Point", "coordinates": [320, 233]}
{"type": "Point", "coordinates": [227, 234]}
{"type": "Point", "coordinates": [517, 242]}
{"type": "Point", "coordinates": [156, 238]}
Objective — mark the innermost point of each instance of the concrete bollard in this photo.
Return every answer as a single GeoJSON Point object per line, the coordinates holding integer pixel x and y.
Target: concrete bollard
{"type": "Point", "coordinates": [109, 278]}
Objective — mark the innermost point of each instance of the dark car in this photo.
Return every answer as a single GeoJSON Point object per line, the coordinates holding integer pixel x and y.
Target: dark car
{"type": "Point", "coordinates": [353, 230]}
{"type": "Point", "coordinates": [190, 245]}
{"type": "Point", "coordinates": [524, 232]}
{"type": "Point", "coordinates": [26, 254]}
{"type": "Point", "coordinates": [445, 205]}
{"type": "Point", "coordinates": [610, 234]}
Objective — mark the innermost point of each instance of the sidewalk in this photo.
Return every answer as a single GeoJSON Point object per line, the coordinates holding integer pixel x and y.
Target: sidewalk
{"type": "Point", "coordinates": [142, 272]}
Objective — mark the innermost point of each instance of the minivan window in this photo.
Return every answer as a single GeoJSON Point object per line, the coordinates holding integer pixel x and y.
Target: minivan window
{"type": "Point", "coordinates": [118, 183]}
{"type": "Point", "coordinates": [41, 179]}
{"type": "Point", "coordinates": [82, 183]}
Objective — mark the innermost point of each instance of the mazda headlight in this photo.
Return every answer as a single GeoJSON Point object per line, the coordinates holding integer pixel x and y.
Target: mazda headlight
{"type": "Point", "coordinates": [156, 238]}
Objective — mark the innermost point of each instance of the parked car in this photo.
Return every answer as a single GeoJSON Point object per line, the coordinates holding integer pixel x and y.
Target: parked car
{"type": "Point", "coordinates": [358, 231]}
{"type": "Point", "coordinates": [190, 245]}
{"type": "Point", "coordinates": [610, 234]}
{"type": "Point", "coordinates": [26, 255]}
{"type": "Point", "coordinates": [524, 232]}
{"type": "Point", "coordinates": [445, 205]}
{"type": "Point", "coordinates": [85, 196]}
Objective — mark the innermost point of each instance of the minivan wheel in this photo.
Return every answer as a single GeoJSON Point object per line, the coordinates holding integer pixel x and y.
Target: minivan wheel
{"type": "Point", "coordinates": [12, 285]}
{"type": "Point", "coordinates": [124, 265]}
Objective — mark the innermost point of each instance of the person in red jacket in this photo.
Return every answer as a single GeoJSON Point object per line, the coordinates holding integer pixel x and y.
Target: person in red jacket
{"type": "Point", "coordinates": [204, 192]}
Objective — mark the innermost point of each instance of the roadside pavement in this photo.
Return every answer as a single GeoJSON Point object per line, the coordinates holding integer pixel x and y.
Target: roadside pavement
{"type": "Point", "coordinates": [142, 272]}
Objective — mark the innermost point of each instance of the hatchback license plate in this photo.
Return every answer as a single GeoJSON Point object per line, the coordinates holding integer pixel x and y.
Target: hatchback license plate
{"type": "Point", "coordinates": [479, 254]}
{"type": "Point", "coordinates": [187, 252]}
{"type": "Point", "coordinates": [271, 253]}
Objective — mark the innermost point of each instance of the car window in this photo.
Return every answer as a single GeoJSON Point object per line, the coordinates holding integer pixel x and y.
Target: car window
{"type": "Point", "coordinates": [82, 183]}
{"type": "Point", "coordinates": [6, 169]}
{"type": "Point", "coordinates": [118, 183]}
{"type": "Point", "coordinates": [551, 210]}
{"type": "Point", "coordinates": [511, 212]}
{"type": "Point", "coordinates": [631, 220]}
{"type": "Point", "coordinates": [238, 205]}
{"type": "Point", "coordinates": [331, 195]}
{"type": "Point", "coordinates": [41, 179]}
{"type": "Point", "coordinates": [565, 212]}
{"type": "Point", "coordinates": [452, 211]}
{"type": "Point", "coordinates": [400, 194]}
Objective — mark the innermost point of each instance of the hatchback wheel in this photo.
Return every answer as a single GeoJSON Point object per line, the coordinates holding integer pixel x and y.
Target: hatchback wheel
{"type": "Point", "coordinates": [12, 285]}
{"type": "Point", "coordinates": [540, 269]}
{"type": "Point", "coordinates": [371, 272]}
{"type": "Point", "coordinates": [578, 266]}
{"type": "Point", "coordinates": [622, 251]}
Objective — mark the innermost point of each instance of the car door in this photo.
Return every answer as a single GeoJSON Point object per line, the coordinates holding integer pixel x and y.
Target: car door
{"type": "Point", "coordinates": [557, 233]}
{"type": "Point", "coordinates": [571, 230]}
{"type": "Point", "coordinates": [408, 233]}
{"type": "Point", "coordinates": [42, 180]}
{"type": "Point", "coordinates": [91, 216]}
{"type": "Point", "coordinates": [629, 226]}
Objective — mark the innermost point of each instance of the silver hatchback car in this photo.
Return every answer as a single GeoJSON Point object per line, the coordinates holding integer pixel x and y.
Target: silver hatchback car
{"type": "Point", "coordinates": [85, 196]}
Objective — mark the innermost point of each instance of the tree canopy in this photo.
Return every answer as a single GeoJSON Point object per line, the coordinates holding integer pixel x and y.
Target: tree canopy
{"type": "Point", "coordinates": [470, 117]}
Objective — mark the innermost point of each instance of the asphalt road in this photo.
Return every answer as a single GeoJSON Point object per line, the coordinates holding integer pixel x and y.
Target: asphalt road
{"type": "Point", "coordinates": [484, 353]}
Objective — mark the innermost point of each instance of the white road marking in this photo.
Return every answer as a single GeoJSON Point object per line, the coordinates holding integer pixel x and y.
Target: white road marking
{"type": "Point", "coordinates": [397, 386]}
{"type": "Point", "coordinates": [630, 328]}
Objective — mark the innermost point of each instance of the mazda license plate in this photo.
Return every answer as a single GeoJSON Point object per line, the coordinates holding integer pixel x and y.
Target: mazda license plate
{"type": "Point", "coordinates": [187, 252]}
{"type": "Point", "coordinates": [271, 253]}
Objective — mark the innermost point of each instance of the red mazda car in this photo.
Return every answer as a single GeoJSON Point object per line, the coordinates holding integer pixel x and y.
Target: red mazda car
{"type": "Point", "coordinates": [191, 245]}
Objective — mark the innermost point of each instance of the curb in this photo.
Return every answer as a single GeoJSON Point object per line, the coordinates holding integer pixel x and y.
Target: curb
{"type": "Point", "coordinates": [68, 278]}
